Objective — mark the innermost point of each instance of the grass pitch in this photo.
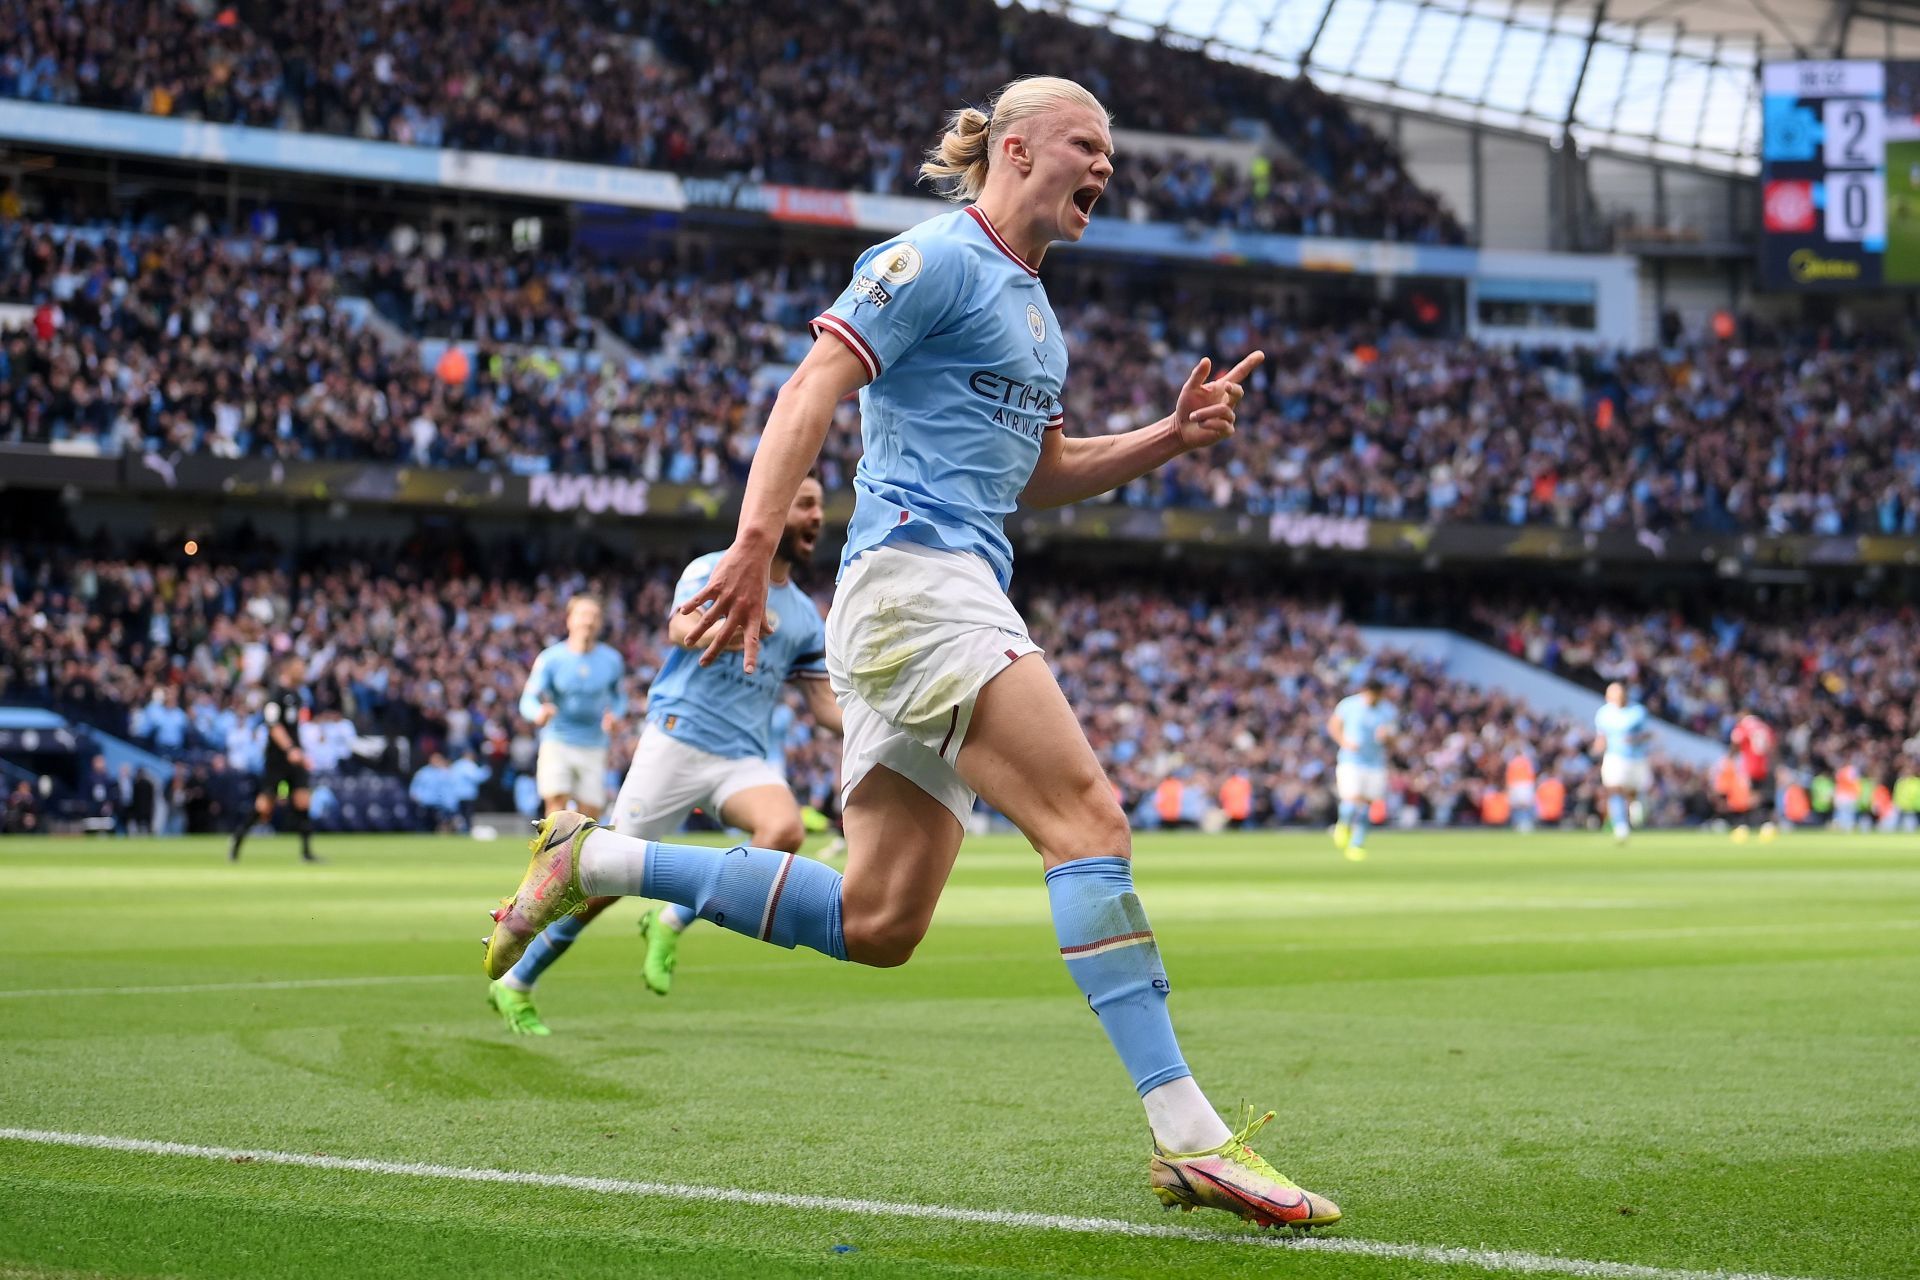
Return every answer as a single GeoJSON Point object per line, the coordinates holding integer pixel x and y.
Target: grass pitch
{"type": "Point", "coordinates": [1901, 265]}
{"type": "Point", "coordinates": [1681, 1055]}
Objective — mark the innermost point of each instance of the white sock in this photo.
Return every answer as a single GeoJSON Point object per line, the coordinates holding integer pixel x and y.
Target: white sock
{"type": "Point", "coordinates": [1182, 1119]}
{"type": "Point", "coordinates": [676, 917]}
{"type": "Point", "coordinates": [515, 984]}
{"type": "Point", "coordinates": [611, 864]}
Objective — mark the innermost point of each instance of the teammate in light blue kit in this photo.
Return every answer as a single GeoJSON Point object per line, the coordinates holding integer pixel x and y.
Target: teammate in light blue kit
{"type": "Point", "coordinates": [1362, 724]}
{"type": "Point", "coordinates": [709, 745]}
{"type": "Point", "coordinates": [574, 697]}
{"type": "Point", "coordinates": [947, 333]}
{"type": "Point", "coordinates": [1622, 735]}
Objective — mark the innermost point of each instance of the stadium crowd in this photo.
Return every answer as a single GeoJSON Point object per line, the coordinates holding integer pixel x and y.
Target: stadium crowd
{"type": "Point", "coordinates": [403, 666]}
{"type": "Point", "coordinates": [782, 91]}
{"type": "Point", "coordinates": [180, 339]}
{"type": "Point", "coordinates": [1174, 684]}
{"type": "Point", "coordinates": [414, 671]}
{"type": "Point", "coordinates": [1839, 686]}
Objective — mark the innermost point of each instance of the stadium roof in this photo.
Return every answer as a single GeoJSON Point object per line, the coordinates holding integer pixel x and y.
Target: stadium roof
{"type": "Point", "coordinates": [1675, 79]}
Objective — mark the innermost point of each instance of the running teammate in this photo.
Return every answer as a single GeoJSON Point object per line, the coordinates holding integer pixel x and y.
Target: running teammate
{"type": "Point", "coordinates": [285, 779]}
{"type": "Point", "coordinates": [1362, 725]}
{"type": "Point", "coordinates": [947, 333]}
{"type": "Point", "coordinates": [709, 745]}
{"type": "Point", "coordinates": [1621, 737]}
{"type": "Point", "coordinates": [573, 697]}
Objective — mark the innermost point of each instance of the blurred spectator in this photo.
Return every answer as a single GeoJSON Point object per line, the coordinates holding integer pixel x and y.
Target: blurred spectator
{"type": "Point", "coordinates": [188, 343]}
{"type": "Point", "coordinates": [1837, 685]}
{"type": "Point", "coordinates": [468, 774]}
{"type": "Point", "coordinates": [140, 807]}
{"type": "Point", "coordinates": [1207, 687]}
{"type": "Point", "coordinates": [832, 93]}
{"type": "Point", "coordinates": [435, 789]}
{"type": "Point", "coordinates": [174, 799]}
{"type": "Point", "coordinates": [22, 813]}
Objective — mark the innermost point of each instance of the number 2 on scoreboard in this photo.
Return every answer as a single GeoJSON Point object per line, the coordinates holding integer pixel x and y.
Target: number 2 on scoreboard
{"type": "Point", "coordinates": [1853, 133]}
{"type": "Point", "coordinates": [1856, 206]}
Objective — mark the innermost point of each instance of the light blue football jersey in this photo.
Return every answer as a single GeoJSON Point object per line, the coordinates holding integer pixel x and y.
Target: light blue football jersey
{"type": "Point", "coordinates": [721, 709]}
{"type": "Point", "coordinates": [779, 728]}
{"type": "Point", "coordinates": [1624, 728]}
{"type": "Point", "coordinates": [583, 687]}
{"type": "Point", "coordinates": [1362, 723]}
{"type": "Point", "coordinates": [966, 365]}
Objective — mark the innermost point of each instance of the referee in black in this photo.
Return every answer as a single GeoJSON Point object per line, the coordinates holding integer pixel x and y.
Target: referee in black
{"type": "Point", "coordinates": [285, 778]}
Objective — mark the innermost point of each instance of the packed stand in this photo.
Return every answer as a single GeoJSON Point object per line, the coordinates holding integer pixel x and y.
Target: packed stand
{"type": "Point", "coordinates": [187, 342]}
{"type": "Point", "coordinates": [1174, 685]}
{"type": "Point", "coordinates": [420, 677]}
{"type": "Point", "coordinates": [841, 95]}
{"type": "Point", "coordinates": [1838, 688]}
{"type": "Point", "coordinates": [184, 340]}
{"type": "Point", "coordinates": [1789, 434]}
{"type": "Point", "coordinates": [406, 673]}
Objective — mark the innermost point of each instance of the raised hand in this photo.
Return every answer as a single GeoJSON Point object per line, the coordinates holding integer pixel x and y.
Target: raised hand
{"type": "Point", "coordinates": [737, 594]}
{"type": "Point", "coordinates": [1204, 413]}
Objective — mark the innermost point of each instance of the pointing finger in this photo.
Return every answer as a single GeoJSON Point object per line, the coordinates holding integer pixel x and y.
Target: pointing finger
{"type": "Point", "coordinates": [1240, 371]}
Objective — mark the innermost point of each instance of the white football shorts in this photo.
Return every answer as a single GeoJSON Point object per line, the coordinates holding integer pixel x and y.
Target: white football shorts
{"type": "Point", "coordinates": [1360, 782]}
{"type": "Point", "coordinates": [669, 780]}
{"type": "Point", "coordinates": [1621, 774]}
{"type": "Point", "coordinates": [913, 636]}
{"type": "Point", "coordinates": [562, 769]}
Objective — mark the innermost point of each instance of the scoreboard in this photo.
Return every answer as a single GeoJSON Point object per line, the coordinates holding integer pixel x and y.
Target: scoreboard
{"type": "Point", "coordinates": [1840, 175]}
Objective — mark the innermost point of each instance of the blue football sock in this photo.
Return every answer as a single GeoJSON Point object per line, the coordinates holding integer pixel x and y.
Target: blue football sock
{"type": "Point", "coordinates": [776, 897]}
{"type": "Point", "coordinates": [1110, 951]}
{"type": "Point", "coordinates": [545, 949]}
{"type": "Point", "coordinates": [1360, 824]}
{"type": "Point", "coordinates": [676, 917]}
{"type": "Point", "coordinates": [1617, 809]}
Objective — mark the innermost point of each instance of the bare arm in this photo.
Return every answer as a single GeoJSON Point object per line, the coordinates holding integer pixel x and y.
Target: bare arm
{"type": "Point", "coordinates": [1338, 733]}
{"type": "Point", "coordinates": [1072, 471]}
{"type": "Point", "coordinates": [681, 628]}
{"type": "Point", "coordinates": [821, 705]}
{"type": "Point", "coordinates": [737, 588]}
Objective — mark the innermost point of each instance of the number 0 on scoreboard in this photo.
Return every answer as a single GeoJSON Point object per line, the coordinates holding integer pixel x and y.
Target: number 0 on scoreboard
{"type": "Point", "coordinates": [1856, 207]}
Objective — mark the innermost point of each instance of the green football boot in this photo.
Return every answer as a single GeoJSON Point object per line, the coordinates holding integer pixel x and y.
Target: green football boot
{"type": "Point", "coordinates": [516, 1010]}
{"type": "Point", "coordinates": [663, 952]}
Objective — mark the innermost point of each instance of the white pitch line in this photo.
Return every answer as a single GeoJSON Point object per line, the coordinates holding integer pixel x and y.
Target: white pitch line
{"type": "Point", "coordinates": [1496, 1260]}
{"type": "Point", "coordinates": [187, 988]}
